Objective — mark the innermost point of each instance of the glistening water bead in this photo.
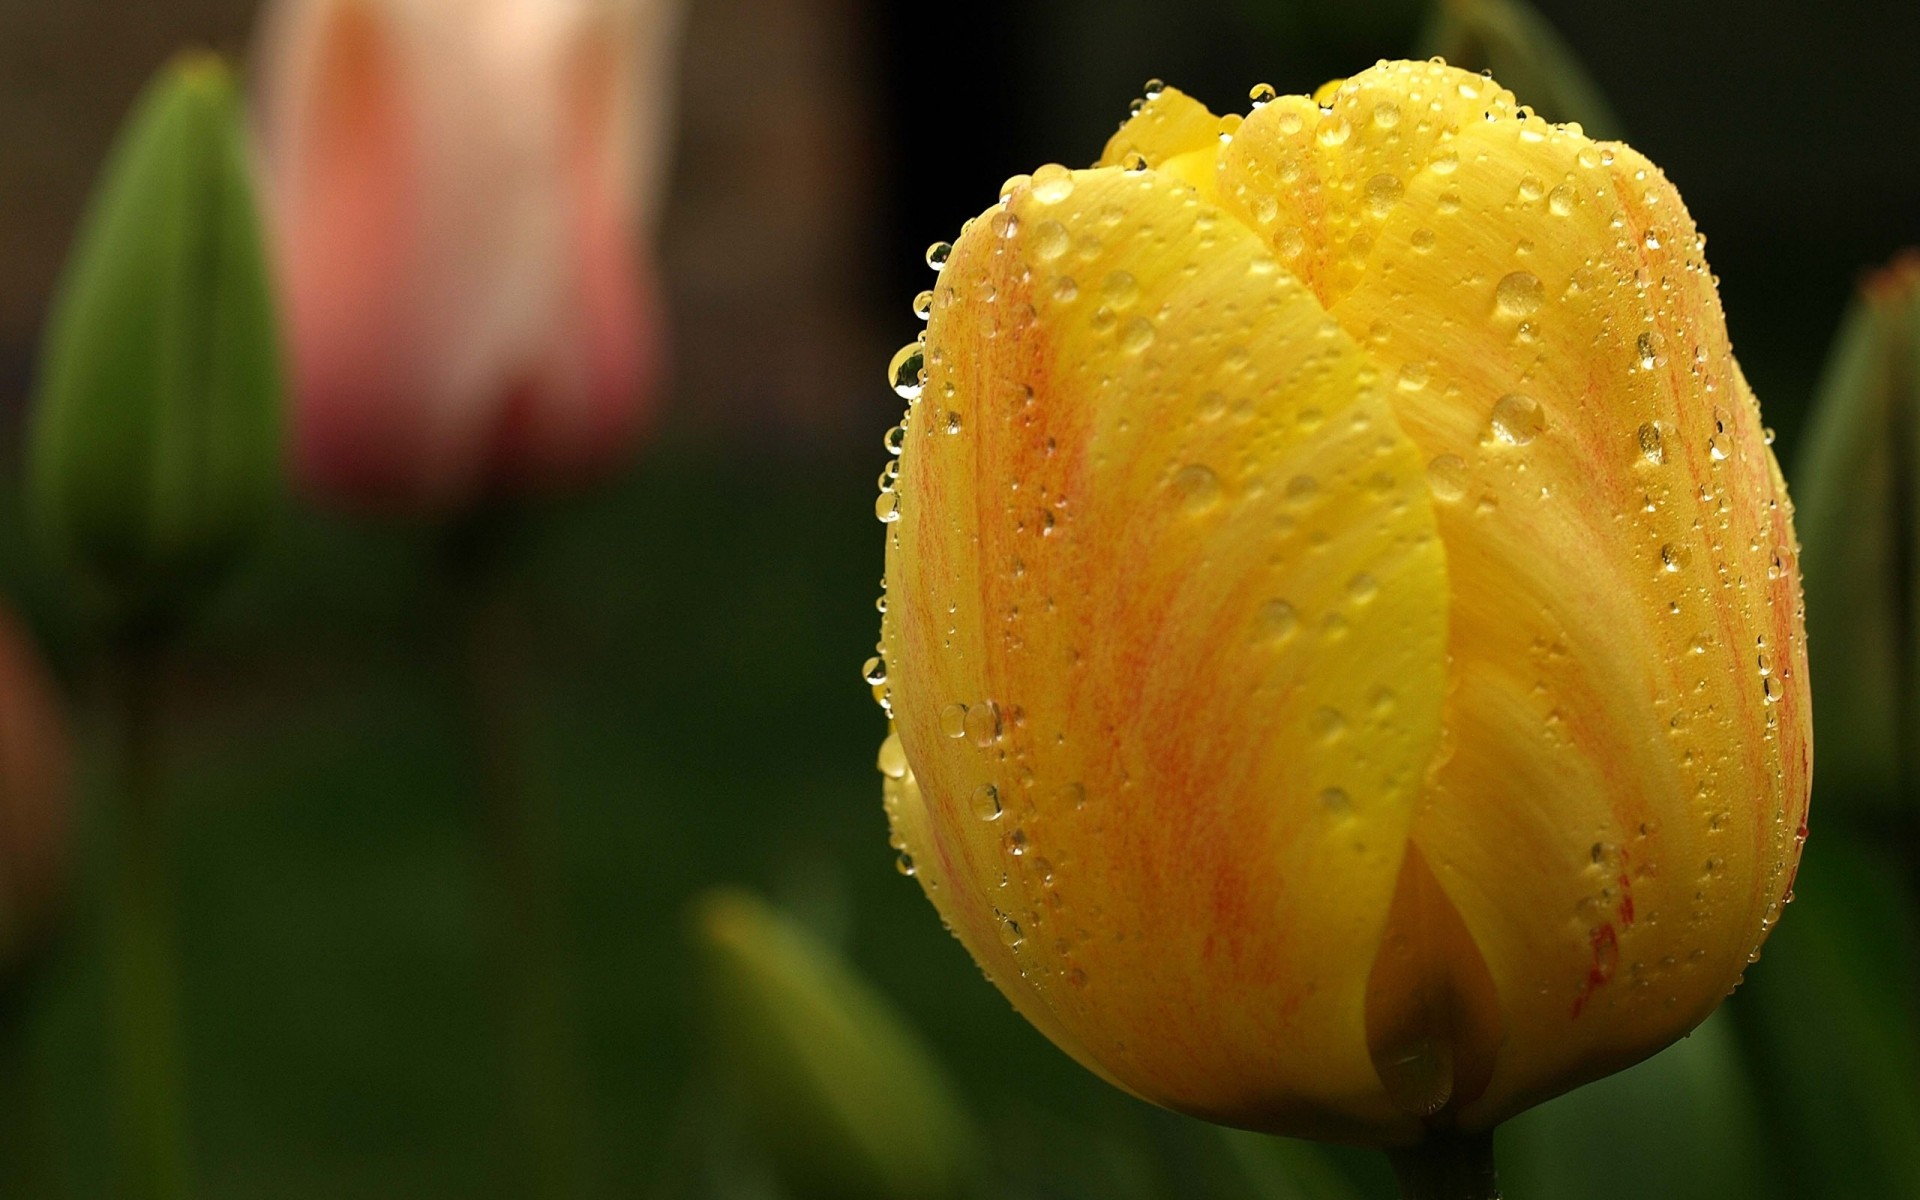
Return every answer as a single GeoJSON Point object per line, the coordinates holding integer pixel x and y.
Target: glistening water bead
{"type": "Point", "coordinates": [907, 373]}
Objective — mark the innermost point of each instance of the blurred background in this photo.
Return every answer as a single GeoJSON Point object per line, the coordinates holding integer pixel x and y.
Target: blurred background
{"type": "Point", "coordinates": [698, 625]}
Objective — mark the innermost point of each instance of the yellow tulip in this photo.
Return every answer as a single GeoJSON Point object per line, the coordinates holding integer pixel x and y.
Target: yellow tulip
{"type": "Point", "coordinates": [1343, 635]}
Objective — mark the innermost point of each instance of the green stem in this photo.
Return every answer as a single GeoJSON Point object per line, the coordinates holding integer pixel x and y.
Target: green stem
{"type": "Point", "coordinates": [143, 973]}
{"type": "Point", "coordinates": [1447, 1166]}
{"type": "Point", "coordinates": [526, 967]}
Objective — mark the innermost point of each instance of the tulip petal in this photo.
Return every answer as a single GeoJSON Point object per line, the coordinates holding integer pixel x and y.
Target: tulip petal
{"type": "Point", "coordinates": [1166, 643]}
{"type": "Point", "coordinates": [1627, 759]}
{"type": "Point", "coordinates": [1168, 124]}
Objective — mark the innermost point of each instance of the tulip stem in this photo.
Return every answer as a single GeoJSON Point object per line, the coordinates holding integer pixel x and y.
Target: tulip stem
{"type": "Point", "coordinates": [549, 1137]}
{"type": "Point", "coordinates": [1447, 1166]}
{"type": "Point", "coordinates": [142, 967]}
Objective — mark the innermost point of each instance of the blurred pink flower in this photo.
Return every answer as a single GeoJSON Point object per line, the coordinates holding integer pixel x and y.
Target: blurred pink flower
{"type": "Point", "coordinates": [35, 797]}
{"type": "Point", "coordinates": [461, 196]}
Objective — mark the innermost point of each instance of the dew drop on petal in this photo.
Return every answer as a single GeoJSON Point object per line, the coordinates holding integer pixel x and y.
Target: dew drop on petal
{"type": "Point", "coordinates": [1652, 447]}
{"type": "Point", "coordinates": [1447, 478]}
{"type": "Point", "coordinates": [907, 373]}
{"type": "Point", "coordinates": [1517, 419]}
{"type": "Point", "coordinates": [1519, 294]}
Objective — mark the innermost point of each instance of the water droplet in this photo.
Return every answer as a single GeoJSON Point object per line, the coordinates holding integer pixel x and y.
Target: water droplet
{"type": "Point", "coordinates": [1386, 114]}
{"type": "Point", "coordinates": [953, 721]}
{"type": "Point", "coordinates": [1422, 240]}
{"type": "Point", "coordinates": [1016, 843]}
{"type": "Point", "coordinates": [953, 422]}
{"type": "Point", "coordinates": [1336, 800]}
{"type": "Point", "coordinates": [986, 802]}
{"type": "Point", "coordinates": [1517, 419]}
{"type": "Point", "coordinates": [1121, 291]}
{"type": "Point", "coordinates": [1383, 192]}
{"type": "Point", "coordinates": [1136, 335]}
{"type": "Point", "coordinates": [923, 305]}
{"type": "Point", "coordinates": [1447, 478]}
{"type": "Point", "coordinates": [1329, 724]}
{"type": "Point", "coordinates": [907, 373]}
{"type": "Point", "coordinates": [875, 671]}
{"type": "Point", "coordinates": [1519, 294]}
{"type": "Point", "coordinates": [887, 507]}
{"type": "Point", "coordinates": [1363, 588]}
{"type": "Point", "coordinates": [1560, 200]}
{"type": "Point", "coordinates": [1052, 184]}
{"type": "Point", "coordinates": [892, 760]}
{"type": "Point", "coordinates": [1334, 131]}
{"type": "Point", "coordinates": [983, 724]}
{"type": "Point", "coordinates": [1196, 488]}
{"type": "Point", "coordinates": [938, 253]}
{"type": "Point", "coordinates": [1654, 450]}
{"type": "Point", "coordinates": [1155, 87]}
{"type": "Point", "coordinates": [1651, 348]}
{"type": "Point", "coordinates": [1050, 241]}
{"type": "Point", "coordinates": [1278, 621]}
{"type": "Point", "coordinates": [1262, 95]}
{"type": "Point", "coordinates": [904, 864]}
{"type": "Point", "coordinates": [1675, 557]}
{"type": "Point", "coordinates": [1010, 933]}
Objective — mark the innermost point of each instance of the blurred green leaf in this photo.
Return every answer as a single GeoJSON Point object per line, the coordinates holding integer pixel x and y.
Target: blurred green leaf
{"type": "Point", "coordinates": [1284, 1169]}
{"type": "Point", "coordinates": [1858, 518]}
{"type": "Point", "coordinates": [1683, 1125]}
{"type": "Point", "coordinates": [1526, 54]}
{"type": "Point", "coordinates": [847, 1099]}
{"type": "Point", "coordinates": [1834, 1012]}
{"type": "Point", "coordinates": [154, 451]}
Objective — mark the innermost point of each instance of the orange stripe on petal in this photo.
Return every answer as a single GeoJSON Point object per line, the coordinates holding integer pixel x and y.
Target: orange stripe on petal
{"type": "Point", "coordinates": [1165, 636]}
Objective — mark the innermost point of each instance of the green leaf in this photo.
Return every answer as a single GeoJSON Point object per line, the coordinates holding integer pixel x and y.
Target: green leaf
{"type": "Point", "coordinates": [1526, 55]}
{"type": "Point", "coordinates": [1834, 1011]}
{"type": "Point", "coordinates": [848, 1100]}
{"type": "Point", "coordinates": [1858, 515]}
{"type": "Point", "coordinates": [1285, 1169]}
{"type": "Point", "coordinates": [1681, 1126]}
{"type": "Point", "coordinates": [154, 452]}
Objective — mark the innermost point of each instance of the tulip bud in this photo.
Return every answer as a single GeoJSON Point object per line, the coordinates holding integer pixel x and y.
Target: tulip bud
{"type": "Point", "coordinates": [35, 819]}
{"type": "Point", "coordinates": [1859, 503]}
{"type": "Point", "coordinates": [1343, 629]}
{"type": "Point", "coordinates": [460, 195]}
{"type": "Point", "coordinates": [155, 442]}
{"type": "Point", "coordinates": [850, 1101]}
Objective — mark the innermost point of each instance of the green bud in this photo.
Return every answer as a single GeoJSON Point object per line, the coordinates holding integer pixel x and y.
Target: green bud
{"type": "Point", "coordinates": [154, 452]}
{"type": "Point", "coordinates": [848, 1101]}
{"type": "Point", "coordinates": [1858, 493]}
{"type": "Point", "coordinates": [1526, 54]}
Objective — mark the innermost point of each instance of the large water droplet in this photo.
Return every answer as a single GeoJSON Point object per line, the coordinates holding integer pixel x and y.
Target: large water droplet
{"type": "Point", "coordinates": [1278, 621]}
{"type": "Point", "coordinates": [986, 802]}
{"type": "Point", "coordinates": [1052, 184]}
{"type": "Point", "coordinates": [1517, 419]}
{"type": "Point", "coordinates": [1197, 488]}
{"type": "Point", "coordinates": [1050, 240]}
{"type": "Point", "coordinates": [938, 253]}
{"type": "Point", "coordinates": [1519, 294]}
{"type": "Point", "coordinates": [1383, 192]}
{"type": "Point", "coordinates": [953, 721]}
{"type": "Point", "coordinates": [1651, 445]}
{"type": "Point", "coordinates": [1447, 478]}
{"type": "Point", "coordinates": [892, 760]}
{"type": "Point", "coordinates": [907, 373]}
{"type": "Point", "coordinates": [983, 724]}
{"type": "Point", "coordinates": [1136, 335]}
